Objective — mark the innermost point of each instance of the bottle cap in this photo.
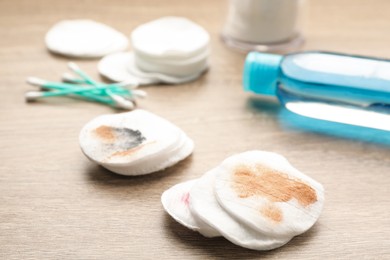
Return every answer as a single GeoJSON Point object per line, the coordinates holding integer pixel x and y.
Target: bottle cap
{"type": "Point", "coordinates": [261, 72]}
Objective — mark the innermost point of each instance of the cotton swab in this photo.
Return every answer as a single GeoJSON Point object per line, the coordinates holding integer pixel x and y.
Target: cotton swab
{"type": "Point", "coordinates": [69, 78]}
{"type": "Point", "coordinates": [96, 95]}
{"type": "Point", "coordinates": [76, 69]}
{"type": "Point", "coordinates": [121, 95]}
{"type": "Point", "coordinates": [32, 95]}
{"type": "Point", "coordinates": [72, 89]}
{"type": "Point", "coordinates": [88, 80]}
{"type": "Point", "coordinates": [121, 101]}
{"type": "Point", "coordinates": [111, 99]}
{"type": "Point", "coordinates": [46, 85]}
{"type": "Point", "coordinates": [87, 96]}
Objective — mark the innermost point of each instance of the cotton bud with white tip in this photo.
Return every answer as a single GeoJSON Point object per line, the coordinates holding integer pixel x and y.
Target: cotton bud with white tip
{"type": "Point", "coordinates": [69, 78]}
{"type": "Point", "coordinates": [32, 96]}
{"type": "Point", "coordinates": [34, 81]}
{"type": "Point", "coordinates": [139, 93]}
{"type": "Point", "coordinates": [121, 102]}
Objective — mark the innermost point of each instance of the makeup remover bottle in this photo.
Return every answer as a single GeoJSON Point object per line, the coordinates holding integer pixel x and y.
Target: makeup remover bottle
{"type": "Point", "coordinates": [329, 86]}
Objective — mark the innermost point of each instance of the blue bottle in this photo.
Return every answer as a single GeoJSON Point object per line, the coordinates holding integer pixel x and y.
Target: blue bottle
{"type": "Point", "coordinates": [329, 86]}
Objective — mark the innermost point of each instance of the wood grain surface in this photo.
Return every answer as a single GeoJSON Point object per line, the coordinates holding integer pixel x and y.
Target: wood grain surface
{"type": "Point", "coordinates": [55, 204]}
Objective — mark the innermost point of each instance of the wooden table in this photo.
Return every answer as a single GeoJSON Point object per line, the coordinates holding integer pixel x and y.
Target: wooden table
{"type": "Point", "coordinates": [55, 204]}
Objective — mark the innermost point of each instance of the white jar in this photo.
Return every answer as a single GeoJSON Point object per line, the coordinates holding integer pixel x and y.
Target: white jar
{"type": "Point", "coordinates": [264, 25]}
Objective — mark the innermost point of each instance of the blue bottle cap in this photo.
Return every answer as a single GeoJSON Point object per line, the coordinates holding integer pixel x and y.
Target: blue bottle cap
{"type": "Point", "coordinates": [261, 72]}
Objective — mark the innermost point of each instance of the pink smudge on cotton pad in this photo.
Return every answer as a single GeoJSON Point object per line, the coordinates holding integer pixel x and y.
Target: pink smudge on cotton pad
{"type": "Point", "coordinates": [176, 201]}
{"type": "Point", "coordinates": [186, 198]}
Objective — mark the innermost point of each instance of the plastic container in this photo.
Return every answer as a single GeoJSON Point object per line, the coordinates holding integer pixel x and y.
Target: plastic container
{"type": "Point", "coordinates": [323, 85]}
{"type": "Point", "coordinates": [264, 25]}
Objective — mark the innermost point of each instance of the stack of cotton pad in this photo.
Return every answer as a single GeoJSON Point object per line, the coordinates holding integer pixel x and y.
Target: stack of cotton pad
{"type": "Point", "coordinates": [255, 199]}
{"type": "Point", "coordinates": [169, 50]}
{"type": "Point", "coordinates": [84, 39]}
{"type": "Point", "coordinates": [134, 143]}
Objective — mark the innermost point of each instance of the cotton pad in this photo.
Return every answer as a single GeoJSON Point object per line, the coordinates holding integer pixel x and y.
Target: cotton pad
{"type": "Point", "coordinates": [255, 199]}
{"type": "Point", "coordinates": [84, 39]}
{"type": "Point", "coordinates": [170, 37]}
{"type": "Point", "coordinates": [264, 191]}
{"type": "Point", "coordinates": [115, 67]}
{"type": "Point", "coordinates": [171, 49]}
{"type": "Point", "coordinates": [176, 203]}
{"type": "Point", "coordinates": [121, 66]}
{"type": "Point", "coordinates": [136, 71]}
{"type": "Point", "coordinates": [173, 67]}
{"type": "Point", "coordinates": [204, 205]}
{"type": "Point", "coordinates": [134, 143]}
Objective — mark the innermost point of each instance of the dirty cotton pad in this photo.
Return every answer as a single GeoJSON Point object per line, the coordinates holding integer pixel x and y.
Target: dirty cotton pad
{"type": "Point", "coordinates": [205, 206]}
{"type": "Point", "coordinates": [254, 199]}
{"type": "Point", "coordinates": [175, 201]}
{"type": "Point", "coordinates": [84, 39]}
{"type": "Point", "coordinates": [263, 190]}
{"type": "Point", "coordinates": [134, 143]}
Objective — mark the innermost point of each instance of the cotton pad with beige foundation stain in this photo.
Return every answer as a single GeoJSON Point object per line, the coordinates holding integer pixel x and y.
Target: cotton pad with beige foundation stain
{"type": "Point", "coordinates": [204, 205]}
{"type": "Point", "coordinates": [256, 200]}
{"type": "Point", "coordinates": [263, 190]}
{"type": "Point", "coordinates": [175, 201]}
{"type": "Point", "coordinates": [134, 143]}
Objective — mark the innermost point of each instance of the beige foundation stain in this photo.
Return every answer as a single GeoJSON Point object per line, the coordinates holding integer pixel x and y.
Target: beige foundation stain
{"type": "Point", "coordinates": [272, 184]}
{"type": "Point", "coordinates": [128, 152]}
{"type": "Point", "coordinates": [272, 212]}
{"type": "Point", "coordinates": [131, 151]}
{"type": "Point", "coordinates": [105, 133]}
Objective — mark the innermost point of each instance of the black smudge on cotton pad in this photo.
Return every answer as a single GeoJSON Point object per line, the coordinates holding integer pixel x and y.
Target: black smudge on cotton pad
{"type": "Point", "coordinates": [125, 139]}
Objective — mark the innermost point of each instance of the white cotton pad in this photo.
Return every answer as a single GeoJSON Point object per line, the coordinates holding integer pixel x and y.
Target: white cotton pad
{"type": "Point", "coordinates": [170, 37]}
{"type": "Point", "coordinates": [84, 39]}
{"type": "Point", "coordinates": [176, 203]}
{"type": "Point", "coordinates": [134, 70]}
{"type": "Point", "coordinates": [121, 67]}
{"type": "Point", "coordinates": [264, 191]}
{"type": "Point", "coordinates": [134, 143]}
{"type": "Point", "coordinates": [115, 67]}
{"type": "Point", "coordinates": [172, 67]}
{"type": "Point", "coordinates": [204, 205]}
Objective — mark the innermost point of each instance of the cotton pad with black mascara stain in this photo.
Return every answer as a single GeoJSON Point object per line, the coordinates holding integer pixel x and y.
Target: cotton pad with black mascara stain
{"type": "Point", "coordinates": [134, 143]}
